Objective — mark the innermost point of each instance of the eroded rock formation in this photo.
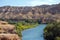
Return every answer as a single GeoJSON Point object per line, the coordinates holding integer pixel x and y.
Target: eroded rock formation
{"type": "Point", "coordinates": [7, 31]}
{"type": "Point", "coordinates": [17, 13]}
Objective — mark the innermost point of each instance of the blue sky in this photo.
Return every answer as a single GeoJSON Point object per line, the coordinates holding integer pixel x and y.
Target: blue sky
{"type": "Point", "coordinates": [27, 2]}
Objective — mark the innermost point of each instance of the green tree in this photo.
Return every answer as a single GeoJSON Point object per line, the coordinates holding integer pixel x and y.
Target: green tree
{"type": "Point", "coordinates": [52, 31]}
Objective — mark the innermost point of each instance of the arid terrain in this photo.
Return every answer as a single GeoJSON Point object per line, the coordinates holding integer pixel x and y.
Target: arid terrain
{"type": "Point", "coordinates": [42, 13]}
{"type": "Point", "coordinates": [36, 12]}
{"type": "Point", "coordinates": [7, 31]}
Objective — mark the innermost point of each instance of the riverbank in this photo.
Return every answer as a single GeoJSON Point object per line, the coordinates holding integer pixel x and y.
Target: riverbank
{"type": "Point", "coordinates": [35, 33]}
{"type": "Point", "coordinates": [7, 31]}
{"type": "Point", "coordinates": [25, 25]}
{"type": "Point", "coordinates": [52, 31]}
{"type": "Point", "coordinates": [22, 25]}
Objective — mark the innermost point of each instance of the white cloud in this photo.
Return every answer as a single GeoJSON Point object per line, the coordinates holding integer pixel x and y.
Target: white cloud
{"type": "Point", "coordinates": [40, 2]}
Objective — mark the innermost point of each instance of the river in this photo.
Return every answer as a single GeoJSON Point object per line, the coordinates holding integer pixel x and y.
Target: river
{"type": "Point", "coordinates": [34, 33]}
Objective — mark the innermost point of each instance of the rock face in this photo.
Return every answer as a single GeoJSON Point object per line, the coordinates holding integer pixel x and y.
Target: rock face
{"type": "Point", "coordinates": [17, 13]}
{"type": "Point", "coordinates": [9, 37]}
{"type": "Point", "coordinates": [7, 31]}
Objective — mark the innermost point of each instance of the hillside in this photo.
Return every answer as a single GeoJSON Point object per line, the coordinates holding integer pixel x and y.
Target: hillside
{"type": "Point", "coordinates": [36, 12]}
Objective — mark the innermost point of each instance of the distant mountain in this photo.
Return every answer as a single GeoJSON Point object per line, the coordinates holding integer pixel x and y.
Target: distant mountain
{"type": "Point", "coordinates": [12, 12]}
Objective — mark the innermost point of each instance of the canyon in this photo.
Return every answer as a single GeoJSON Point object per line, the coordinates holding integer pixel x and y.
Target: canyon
{"type": "Point", "coordinates": [48, 12]}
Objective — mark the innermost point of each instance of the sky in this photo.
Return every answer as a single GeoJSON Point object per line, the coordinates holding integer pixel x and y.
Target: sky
{"type": "Point", "coordinates": [27, 2]}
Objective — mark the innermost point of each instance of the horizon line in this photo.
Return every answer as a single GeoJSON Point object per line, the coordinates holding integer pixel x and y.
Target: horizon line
{"type": "Point", "coordinates": [27, 5]}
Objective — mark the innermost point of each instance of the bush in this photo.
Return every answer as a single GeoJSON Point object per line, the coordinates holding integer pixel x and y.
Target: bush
{"type": "Point", "coordinates": [20, 26]}
{"type": "Point", "coordinates": [57, 38]}
{"type": "Point", "coordinates": [52, 31]}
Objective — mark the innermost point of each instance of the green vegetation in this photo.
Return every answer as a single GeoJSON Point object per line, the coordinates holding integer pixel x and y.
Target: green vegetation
{"type": "Point", "coordinates": [22, 25]}
{"type": "Point", "coordinates": [52, 31]}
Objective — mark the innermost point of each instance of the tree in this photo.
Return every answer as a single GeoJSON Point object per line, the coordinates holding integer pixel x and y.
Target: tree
{"type": "Point", "coordinates": [52, 31]}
